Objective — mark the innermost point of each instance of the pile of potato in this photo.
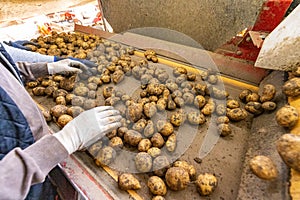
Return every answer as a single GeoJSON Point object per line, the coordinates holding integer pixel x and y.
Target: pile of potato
{"type": "Point", "coordinates": [152, 140]}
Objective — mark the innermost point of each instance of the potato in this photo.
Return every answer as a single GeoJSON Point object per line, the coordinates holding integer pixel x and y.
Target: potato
{"type": "Point", "coordinates": [287, 116]}
{"type": "Point", "coordinates": [154, 89]}
{"type": "Point", "coordinates": [208, 109]}
{"type": "Point", "coordinates": [291, 87]}
{"type": "Point", "coordinates": [191, 76]}
{"type": "Point", "coordinates": [158, 198]}
{"type": "Point", "coordinates": [95, 148]}
{"type": "Point", "coordinates": [154, 152]}
{"type": "Point", "coordinates": [32, 84]}
{"type": "Point", "coordinates": [254, 108]}
{"type": "Point", "coordinates": [190, 169]}
{"type": "Point", "coordinates": [149, 129]}
{"type": "Point", "coordinates": [222, 120]}
{"type": "Point", "coordinates": [268, 93]}
{"type": "Point", "coordinates": [244, 94]}
{"type": "Point", "coordinates": [105, 78]}
{"type": "Point", "coordinates": [116, 142]}
{"type": "Point", "coordinates": [59, 92]}
{"type": "Point", "coordinates": [196, 118]}
{"type": "Point", "coordinates": [105, 156]}
{"type": "Point", "coordinates": [199, 101]}
{"type": "Point", "coordinates": [231, 103]}
{"type": "Point", "coordinates": [81, 91]}
{"type": "Point", "coordinates": [67, 84]}
{"type": "Point", "coordinates": [160, 165]}
{"type": "Point", "coordinates": [288, 147]}
{"type": "Point", "coordinates": [74, 111]}
{"type": "Point", "coordinates": [112, 101]}
{"type": "Point", "coordinates": [161, 104]}
{"type": "Point", "coordinates": [179, 70]}
{"type": "Point", "coordinates": [134, 112]}
{"type": "Point", "coordinates": [38, 91]}
{"type": "Point", "coordinates": [221, 109]}
{"type": "Point", "coordinates": [171, 142]}
{"type": "Point", "coordinates": [172, 86]}
{"type": "Point", "coordinates": [143, 162]}
{"type": "Point", "coordinates": [139, 125]}
{"type": "Point", "coordinates": [144, 145]}
{"type": "Point", "coordinates": [252, 97]}
{"type": "Point", "coordinates": [127, 181]}
{"type": "Point", "coordinates": [89, 104]}
{"type": "Point", "coordinates": [132, 137]}
{"type": "Point", "coordinates": [163, 77]}
{"type": "Point", "coordinates": [150, 109]}
{"type": "Point", "coordinates": [117, 76]}
{"type": "Point", "coordinates": [178, 118]}
{"type": "Point", "coordinates": [171, 105]}
{"type": "Point", "coordinates": [188, 98]}
{"type": "Point", "coordinates": [263, 167]}
{"type": "Point", "coordinates": [157, 140]}
{"type": "Point", "coordinates": [157, 186]}
{"type": "Point", "coordinates": [212, 79]}
{"type": "Point", "coordinates": [164, 128]}
{"type": "Point", "coordinates": [177, 178]}
{"type": "Point", "coordinates": [206, 184]}
{"type": "Point", "coordinates": [200, 89]}
{"type": "Point", "coordinates": [269, 106]}
{"type": "Point", "coordinates": [224, 129]}
{"type": "Point", "coordinates": [78, 101]}
{"type": "Point", "coordinates": [63, 120]}
{"type": "Point", "coordinates": [58, 110]}
{"type": "Point", "coordinates": [58, 77]}
{"type": "Point", "coordinates": [69, 98]}
{"type": "Point", "coordinates": [60, 100]}
{"type": "Point", "coordinates": [219, 93]}
{"type": "Point", "coordinates": [237, 114]}
{"type": "Point", "coordinates": [121, 131]}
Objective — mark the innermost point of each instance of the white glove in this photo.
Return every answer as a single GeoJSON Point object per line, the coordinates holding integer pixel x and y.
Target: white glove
{"type": "Point", "coordinates": [88, 127]}
{"type": "Point", "coordinates": [66, 65]}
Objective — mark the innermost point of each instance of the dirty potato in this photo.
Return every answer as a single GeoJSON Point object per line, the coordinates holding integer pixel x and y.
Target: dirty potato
{"type": "Point", "coordinates": [237, 114]}
{"type": "Point", "coordinates": [187, 167]}
{"type": "Point", "coordinates": [143, 162]}
{"type": "Point", "coordinates": [252, 97]}
{"type": "Point", "coordinates": [178, 118]}
{"type": "Point", "coordinates": [179, 70]}
{"type": "Point", "coordinates": [105, 156]}
{"type": "Point", "coordinates": [288, 147]}
{"type": "Point", "coordinates": [268, 93]}
{"type": "Point", "coordinates": [127, 181]}
{"type": "Point", "coordinates": [199, 101]}
{"type": "Point", "coordinates": [58, 110]}
{"type": "Point", "coordinates": [269, 106]}
{"type": "Point", "coordinates": [206, 184]}
{"type": "Point", "coordinates": [117, 76]}
{"type": "Point", "coordinates": [171, 142]}
{"type": "Point", "coordinates": [134, 112]}
{"type": "Point", "coordinates": [254, 108]}
{"type": "Point", "coordinates": [149, 129]}
{"type": "Point", "coordinates": [63, 120]}
{"type": "Point", "coordinates": [74, 111]}
{"type": "Point", "coordinates": [244, 94]}
{"type": "Point", "coordinates": [60, 100]}
{"type": "Point", "coordinates": [287, 116]}
{"type": "Point", "coordinates": [150, 109]}
{"type": "Point", "coordinates": [224, 129]}
{"type": "Point", "coordinates": [231, 103]}
{"type": "Point", "coordinates": [222, 120]}
{"type": "Point", "coordinates": [81, 91]}
{"type": "Point", "coordinates": [157, 186]}
{"type": "Point", "coordinates": [132, 137]}
{"type": "Point", "coordinates": [154, 152]}
{"type": "Point", "coordinates": [38, 91]}
{"type": "Point", "coordinates": [116, 142]}
{"type": "Point", "coordinates": [157, 140]}
{"type": "Point", "coordinates": [164, 128]}
{"type": "Point", "coordinates": [144, 145]}
{"type": "Point", "coordinates": [177, 178]}
{"type": "Point", "coordinates": [160, 165]}
{"type": "Point", "coordinates": [263, 167]}
{"type": "Point", "coordinates": [291, 87]}
{"type": "Point", "coordinates": [209, 108]}
{"type": "Point", "coordinates": [161, 104]}
{"type": "Point", "coordinates": [196, 118]}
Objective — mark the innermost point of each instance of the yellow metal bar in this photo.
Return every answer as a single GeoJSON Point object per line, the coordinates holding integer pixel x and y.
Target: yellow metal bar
{"type": "Point", "coordinates": [192, 69]}
{"type": "Point", "coordinates": [295, 176]}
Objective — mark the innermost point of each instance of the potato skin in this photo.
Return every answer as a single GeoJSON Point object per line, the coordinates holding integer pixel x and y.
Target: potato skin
{"type": "Point", "coordinates": [157, 186]}
{"type": "Point", "coordinates": [287, 116]}
{"type": "Point", "coordinates": [127, 181]}
{"type": "Point", "coordinates": [291, 88]}
{"type": "Point", "coordinates": [177, 178]}
{"type": "Point", "coordinates": [288, 147]}
{"type": "Point", "coordinates": [143, 162]}
{"type": "Point", "coordinates": [206, 184]}
{"type": "Point", "coordinates": [263, 167]}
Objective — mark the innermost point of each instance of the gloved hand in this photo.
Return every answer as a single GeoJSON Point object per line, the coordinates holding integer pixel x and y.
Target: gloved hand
{"type": "Point", "coordinates": [88, 127]}
{"type": "Point", "coordinates": [66, 65]}
{"type": "Point", "coordinates": [87, 63]}
{"type": "Point", "coordinates": [20, 44]}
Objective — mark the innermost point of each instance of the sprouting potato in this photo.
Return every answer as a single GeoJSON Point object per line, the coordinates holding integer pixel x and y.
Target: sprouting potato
{"type": "Point", "coordinates": [206, 184]}
{"type": "Point", "coordinates": [171, 142]}
{"type": "Point", "coordinates": [287, 116]}
{"type": "Point", "coordinates": [105, 156]}
{"type": "Point", "coordinates": [263, 167]}
{"type": "Point", "coordinates": [157, 186]}
{"type": "Point", "coordinates": [160, 165]}
{"type": "Point", "coordinates": [143, 162]}
{"type": "Point", "coordinates": [177, 178]}
{"type": "Point", "coordinates": [164, 128]}
{"type": "Point", "coordinates": [127, 181]}
{"type": "Point", "coordinates": [268, 93]}
{"type": "Point", "coordinates": [288, 147]}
